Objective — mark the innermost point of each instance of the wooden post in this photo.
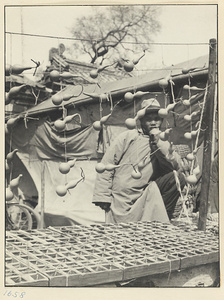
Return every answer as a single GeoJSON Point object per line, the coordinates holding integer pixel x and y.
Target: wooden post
{"type": "Point", "coordinates": [207, 126]}
{"type": "Point", "coordinates": [42, 195]}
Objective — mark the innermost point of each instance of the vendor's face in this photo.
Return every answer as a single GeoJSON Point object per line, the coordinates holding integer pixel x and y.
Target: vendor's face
{"type": "Point", "coordinates": [149, 121]}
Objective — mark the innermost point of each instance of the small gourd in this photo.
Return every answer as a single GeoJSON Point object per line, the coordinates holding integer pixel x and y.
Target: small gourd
{"type": "Point", "coordinates": [93, 74]}
{"type": "Point", "coordinates": [130, 123]}
{"type": "Point", "coordinates": [97, 125]}
{"type": "Point", "coordinates": [141, 113]}
{"type": "Point", "coordinates": [8, 194]}
{"type": "Point", "coordinates": [170, 106]}
{"type": "Point", "coordinates": [61, 190]}
{"type": "Point", "coordinates": [56, 99]}
{"type": "Point", "coordinates": [60, 125]}
{"type": "Point", "coordinates": [110, 167]}
{"type": "Point", "coordinates": [54, 75]}
{"type": "Point", "coordinates": [17, 69]}
{"type": "Point", "coordinates": [11, 122]}
{"type": "Point", "coordinates": [64, 167]}
{"type": "Point", "coordinates": [14, 183]}
{"type": "Point", "coordinates": [188, 136]}
{"type": "Point", "coordinates": [190, 156]}
{"type": "Point", "coordinates": [163, 83]}
{"type": "Point", "coordinates": [15, 90]}
{"type": "Point", "coordinates": [128, 97]}
{"type": "Point", "coordinates": [10, 155]}
{"type": "Point", "coordinates": [128, 66]}
{"type": "Point", "coordinates": [163, 112]}
{"type": "Point", "coordinates": [136, 174]}
{"type": "Point", "coordinates": [100, 167]}
{"type": "Point", "coordinates": [196, 170]}
{"type": "Point", "coordinates": [191, 179]}
{"type": "Point", "coordinates": [104, 119]}
{"type": "Point", "coordinates": [71, 184]}
{"type": "Point", "coordinates": [136, 60]}
{"type": "Point", "coordinates": [72, 162]}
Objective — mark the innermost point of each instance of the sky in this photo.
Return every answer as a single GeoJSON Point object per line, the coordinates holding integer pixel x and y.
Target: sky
{"type": "Point", "coordinates": [179, 24]}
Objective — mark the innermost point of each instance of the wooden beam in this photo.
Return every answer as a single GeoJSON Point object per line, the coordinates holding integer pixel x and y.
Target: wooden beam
{"type": "Point", "coordinates": [207, 127]}
{"type": "Point", "coordinates": [42, 194]}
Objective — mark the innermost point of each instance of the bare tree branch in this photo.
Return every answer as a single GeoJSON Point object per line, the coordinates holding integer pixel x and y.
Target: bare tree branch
{"type": "Point", "coordinates": [107, 29]}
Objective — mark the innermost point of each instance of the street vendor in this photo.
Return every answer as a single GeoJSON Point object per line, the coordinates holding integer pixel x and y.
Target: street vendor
{"type": "Point", "coordinates": [153, 194]}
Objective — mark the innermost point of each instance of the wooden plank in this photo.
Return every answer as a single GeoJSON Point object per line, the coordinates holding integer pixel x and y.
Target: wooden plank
{"type": "Point", "coordinates": [42, 194]}
{"type": "Point", "coordinates": [207, 127]}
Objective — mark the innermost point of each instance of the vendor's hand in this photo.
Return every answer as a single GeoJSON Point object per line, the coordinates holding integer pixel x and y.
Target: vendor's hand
{"type": "Point", "coordinates": [185, 166]}
{"type": "Point", "coordinates": [103, 205]}
{"type": "Point", "coordinates": [154, 136]}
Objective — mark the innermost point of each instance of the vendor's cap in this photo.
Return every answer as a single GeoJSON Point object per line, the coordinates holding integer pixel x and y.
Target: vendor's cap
{"type": "Point", "coordinates": [151, 105]}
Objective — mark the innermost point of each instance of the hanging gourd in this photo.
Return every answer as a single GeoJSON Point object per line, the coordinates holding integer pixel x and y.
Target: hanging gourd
{"type": "Point", "coordinates": [14, 91]}
{"type": "Point", "coordinates": [72, 162]}
{"type": "Point", "coordinates": [136, 60]}
{"type": "Point", "coordinates": [196, 171]}
{"type": "Point", "coordinates": [54, 75]}
{"type": "Point", "coordinates": [8, 70]}
{"type": "Point", "coordinates": [188, 70]}
{"type": "Point", "coordinates": [187, 117]}
{"type": "Point", "coordinates": [7, 168]}
{"type": "Point", "coordinates": [136, 174]}
{"type": "Point", "coordinates": [56, 99]}
{"type": "Point", "coordinates": [164, 82]}
{"type": "Point", "coordinates": [93, 74]}
{"type": "Point", "coordinates": [192, 88]}
{"type": "Point", "coordinates": [191, 179]}
{"type": "Point", "coordinates": [194, 133]}
{"type": "Point", "coordinates": [61, 190]}
{"type": "Point", "coordinates": [68, 119]}
{"type": "Point", "coordinates": [139, 94]}
{"type": "Point", "coordinates": [188, 135]}
{"type": "Point", "coordinates": [190, 156]}
{"type": "Point", "coordinates": [141, 113]}
{"type": "Point", "coordinates": [164, 136]}
{"type": "Point", "coordinates": [7, 99]}
{"type": "Point", "coordinates": [72, 184]}
{"type": "Point", "coordinates": [163, 112]}
{"type": "Point", "coordinates": [100, 167]}
{"type": "Point", "coordinates": [97, 125]}
{"type": "Point", "coordinates": [11, 122]}
{"type": "Point", "coordinates": [14, 183]}
{"type": "Point", "coordinates": [8, 194]}
{"type": "Point", "coordinates": [131, 123]}
{"type": "Point", "coordinates": [170, 106]}
{"type": "Point", "coordinates": [10, 155]}
{"type": "Point", "coordinates": [142, 164]}
{"type": "Point", "coordinates": [128, 97]}
{"type": "Point", "coordinates": [188, 101]}
{"type": "Point", "coordinates": [67, 75]}
{"type": "Point", "coordinates": [110, 167]}
{"type": "Point", "coordinates": [17, 69]}
{"type": "Point", "coordinates": [104, 119]}
{"type": "Point", "coordinates": [64, 167]}
{"type": "Point", "coordinates": [6, 130]}
{"type": "Point", "coordinates": [59, 125]}
{"type": "Point", "coordinates": [128, 66]}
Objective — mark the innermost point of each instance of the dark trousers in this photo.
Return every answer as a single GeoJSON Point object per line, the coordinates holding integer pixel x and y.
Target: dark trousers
{"type": "Point", "coordinates": [168, 190]}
